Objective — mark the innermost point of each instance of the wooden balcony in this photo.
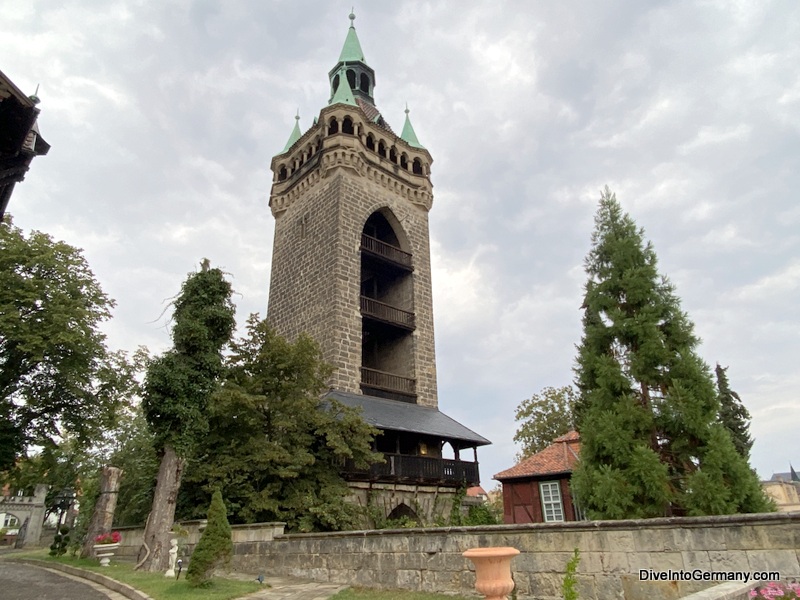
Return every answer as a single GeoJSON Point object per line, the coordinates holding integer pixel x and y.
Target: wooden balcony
{"type": "Point", "coordinates": [387, 313]}
{"type": "Point", "coordinates": [386, 251]}
{"type": "Point", "coordinates": [417, 469]}
{"type": "Point", "coordinates": [405, 387]}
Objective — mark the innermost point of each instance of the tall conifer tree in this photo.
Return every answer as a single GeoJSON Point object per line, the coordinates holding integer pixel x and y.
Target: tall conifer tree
{"type": "Point", "coordinates": [651, 443]}
{"type": "Point", "coordinates": [732, 414]}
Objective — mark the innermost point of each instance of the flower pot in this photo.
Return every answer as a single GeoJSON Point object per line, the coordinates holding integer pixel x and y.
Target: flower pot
{"type": "Point", "coordinates": [492, 570]}
{"type": "Point", "coordinates": [104, 552]}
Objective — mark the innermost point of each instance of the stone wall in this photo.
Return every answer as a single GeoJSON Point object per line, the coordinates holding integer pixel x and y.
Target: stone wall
{"type": "Point", "coordinates": [612, 553]}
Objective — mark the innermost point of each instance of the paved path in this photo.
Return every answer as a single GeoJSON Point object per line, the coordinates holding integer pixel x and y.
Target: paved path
{"type": "Point", "coordinates": [26, 582]}
{"type": "Point", "coordinates": [289, 588]}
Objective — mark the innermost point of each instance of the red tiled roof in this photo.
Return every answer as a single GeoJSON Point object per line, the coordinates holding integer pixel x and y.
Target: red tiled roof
{"type": "Point", "coordinates": [558, 457]}
{"type": "Point", "coordinates": [373, 114]}
{"type": "Point", "coordinates": [476, 491]}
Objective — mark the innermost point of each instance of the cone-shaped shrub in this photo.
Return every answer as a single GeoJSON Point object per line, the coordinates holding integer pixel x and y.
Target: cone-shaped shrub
{"type": "Point", "coordinates": [215, 546]}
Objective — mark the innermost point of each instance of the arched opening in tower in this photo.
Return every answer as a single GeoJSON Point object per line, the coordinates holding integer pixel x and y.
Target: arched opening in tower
{"type": "Point", "coordinates": [387, 310]}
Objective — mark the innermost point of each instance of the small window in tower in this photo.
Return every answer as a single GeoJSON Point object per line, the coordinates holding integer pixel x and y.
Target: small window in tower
{"type": "Point", "coordinates": [304, 226]}
{"type": "Point", "coordinates": [370, 142]}
{"type": "Point", "coordinates": [404, 161]}
{"type": "Point", "coordinates": [393, 155]}
{"type": "Point", "coordinates": [364, 83]}
{"type": "Point", "coordinates": [282, 174]}
{"type": "Point", "coordinates": [333, 126]}
{"type": "Point", "coordinates": [382, 149]}
{"type": "Point", "coordinates": [416, 167]}
{"type": "Point", "coordinates": [347, 126]}
{"type": "Point", "coordinates": [335, 83]}
{"type": "Point", "coordinates": [351, 78]}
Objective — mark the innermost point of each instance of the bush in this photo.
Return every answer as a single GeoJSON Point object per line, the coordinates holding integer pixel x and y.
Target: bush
{"type": "Point", "coordinates": [215, 545]}
{"type": "Point", "coordinates": [60, 542]}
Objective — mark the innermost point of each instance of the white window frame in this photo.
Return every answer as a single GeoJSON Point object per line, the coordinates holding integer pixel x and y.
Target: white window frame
{"type": "Point", "coordinates": [552, 506]}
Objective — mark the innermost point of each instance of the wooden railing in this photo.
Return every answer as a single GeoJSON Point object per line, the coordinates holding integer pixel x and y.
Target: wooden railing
{"type": "Point", "coordinates": [388, 381]}
{"type": "Point", "coordinates": [418, 468]}
{"type": "Point", "coordinates": [380, 248]}
{"type": "Point", "coordinates": [387, 312]}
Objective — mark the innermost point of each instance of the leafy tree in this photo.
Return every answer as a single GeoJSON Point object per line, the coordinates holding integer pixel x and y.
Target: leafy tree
{"type": "Point", "coordinates": [733, 415]}
{"type": "Point", "coordinates": [177, 389]}
{"type": "Point", "coordinates": [543, 417]}
{"type": "Point", "coordinates": [57, 376]}
{"type": "Point", "coordinates": [214, 547]}
{"type": "Point", "coordinates": [647, 413]}
{"type": "Point", "coordinates": [273, 446]}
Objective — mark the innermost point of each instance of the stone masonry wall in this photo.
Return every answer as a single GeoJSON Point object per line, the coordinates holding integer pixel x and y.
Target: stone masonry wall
{"type": "Point", "coordinates": [612, 553]}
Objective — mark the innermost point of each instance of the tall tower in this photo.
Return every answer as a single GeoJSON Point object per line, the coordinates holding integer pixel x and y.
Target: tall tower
{"type": "Point", "coordinates": [351, 267]}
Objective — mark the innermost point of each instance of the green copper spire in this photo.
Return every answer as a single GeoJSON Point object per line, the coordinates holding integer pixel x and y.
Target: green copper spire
{"type": "Point", "coordinates": [352, 51]}
{"type": "Point", "coordinates": [343, 93]}
{"type": "Point", "coordinates": [295, 133]}
{"type": "Point", "coordinates": [408, 134]}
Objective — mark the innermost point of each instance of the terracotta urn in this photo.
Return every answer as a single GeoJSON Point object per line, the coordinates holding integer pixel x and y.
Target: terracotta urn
{"type": "Point", "coordinates": [492, 570]}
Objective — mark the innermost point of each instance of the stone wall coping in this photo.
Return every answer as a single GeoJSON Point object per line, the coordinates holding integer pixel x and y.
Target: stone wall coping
{"type": "Point", "coordinates": [626, 524]}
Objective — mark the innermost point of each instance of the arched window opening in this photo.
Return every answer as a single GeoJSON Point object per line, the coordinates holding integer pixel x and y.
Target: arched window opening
{"type": "Point", "coordinates": [404, 161]}
{"type": "Point", "coordinates": [393, 155]}
{"type": "Point", "coordinates": [403, 512]}
{"type": "Point", "coordinates": [370, 143]}
{"type": "Point", "coordinates": [416, 167]}
{"type": "Point", "coordinates": [333, 126]}
{"type": "Point", "coordinates": [382, 149]}
{"type": "Point", "coordinates": [364, 83]}
{"type": "Point", "coordinates": [347, 126]}
{"type": "Point", "coordinates": [282, 173]}
{"type": "Point", "coordinates": [335, 83]}
{"type": "Point", "coordinates": [318, 147]}
{"type": "Point", "coordinates": [351, 78]}
{"type": "Point", "coordinates": [378, 227]}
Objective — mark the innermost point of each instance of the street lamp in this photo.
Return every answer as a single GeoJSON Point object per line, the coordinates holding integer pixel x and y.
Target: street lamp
{"type": "Point", "coordinates": [63, 503]}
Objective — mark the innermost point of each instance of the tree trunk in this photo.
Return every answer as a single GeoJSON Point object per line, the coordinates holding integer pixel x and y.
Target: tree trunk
{"type": "Point", "coordinates": [154, 554]}
{"type": "Point", "coordinates": [103, 516]}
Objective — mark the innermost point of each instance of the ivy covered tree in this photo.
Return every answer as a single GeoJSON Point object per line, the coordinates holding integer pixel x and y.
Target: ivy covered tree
{"type": "Point", "coordinates": [57, 376]}
{"type": "Point", "coordinates": [273, 446]}
{"type": "Point", "coordinates": [733, 414]}
{"type": "Point", "coordinates": [177, 388]}
{"type": "Point", "coordinates": [651, 442]}
{"type": "Point", "coordinates": [543, 417]}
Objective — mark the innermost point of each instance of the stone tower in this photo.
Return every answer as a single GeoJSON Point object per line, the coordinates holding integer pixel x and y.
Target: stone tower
{"type": "Point", "coordinates": [351, 267]}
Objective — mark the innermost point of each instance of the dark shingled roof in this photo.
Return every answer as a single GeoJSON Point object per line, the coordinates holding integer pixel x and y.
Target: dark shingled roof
{"type": "Point", "coordinates": [392, 415]}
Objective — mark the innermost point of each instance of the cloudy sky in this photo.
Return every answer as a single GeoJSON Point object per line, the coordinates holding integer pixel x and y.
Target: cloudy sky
{"type": "Point", "coordinates": [163, 117]}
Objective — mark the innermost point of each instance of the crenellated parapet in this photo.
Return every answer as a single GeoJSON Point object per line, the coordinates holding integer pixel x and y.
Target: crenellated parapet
{"type": "Point", "coordinates": [344, 138]}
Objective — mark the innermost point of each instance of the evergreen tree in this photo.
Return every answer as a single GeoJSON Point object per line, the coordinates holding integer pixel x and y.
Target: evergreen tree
{"type": "Point", "coordinates": [215, 545]}
{"type": "Point", "coordinates": [733, 415]}
{"type": "Point", "coordinates": [543, 417]}
{"type": "Point", "coordinates": [647, 413]}
{"type": "Point", "coordinates": [177, 389]}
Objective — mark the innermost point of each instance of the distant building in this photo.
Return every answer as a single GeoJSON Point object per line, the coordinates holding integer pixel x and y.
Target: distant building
{"type": "Point", "coordinates": [19, 137]}
{"type": "Point", "coordinates": [784, 489]}
{"type": "Point", "coordinates": [351, 268]}
{"type": "Point", "coordinates": [537, 489]}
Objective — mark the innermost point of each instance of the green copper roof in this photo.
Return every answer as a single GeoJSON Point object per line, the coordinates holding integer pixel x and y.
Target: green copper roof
{"type": "Point", "coordinates": [296, 134]}
{"type": "Point", "coordinates": [352, 48]}
{"type": "Point", "coordinates": [343, 95]}
{"type": "Point", "coordinates": [408, 134]}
